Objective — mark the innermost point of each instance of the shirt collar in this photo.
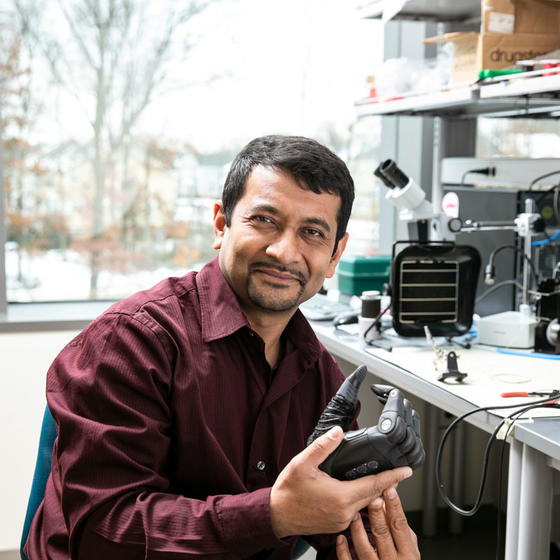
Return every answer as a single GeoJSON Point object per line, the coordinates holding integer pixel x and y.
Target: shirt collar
{"type": "Point", "coordinates": [302, 336]}
{"type": "Point", "coordinates": [221, 314]}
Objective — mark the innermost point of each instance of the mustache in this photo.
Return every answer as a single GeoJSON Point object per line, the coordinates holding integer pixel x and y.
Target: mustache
{"type": "Point", "coordinates": [281, 268]}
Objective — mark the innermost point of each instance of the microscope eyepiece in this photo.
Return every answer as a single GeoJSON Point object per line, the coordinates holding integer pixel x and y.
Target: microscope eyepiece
{"type": "Point", "coordinates": [384, 179]}
{"type": "Point", "coordinates": [391, 171]}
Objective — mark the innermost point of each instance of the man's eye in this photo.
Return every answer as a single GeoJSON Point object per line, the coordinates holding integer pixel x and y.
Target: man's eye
{"type": "Point", "coordinates": [263, 219]}
{"type": "Point", "coordinates": [312, 232]}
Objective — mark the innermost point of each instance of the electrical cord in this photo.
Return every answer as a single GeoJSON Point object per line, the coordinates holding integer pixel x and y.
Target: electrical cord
{"type": "Point", "coordinates": [547, 240]}
{"type": "Point", "coordinates": [541, 194]}
{"type": "Point", "coordinates": [542, 177]}
{"type": "Point", "coordinates": [466, 345]}
{"type": "Point", "coordinates": [481, 171]}
{"type": "Point", "coordinates": [490, 265]}
{"type": "Point", "coordinates": [544, 403]}
{"type": "Point", "coordinates": [495, 287]}
{"type": "Point", "coordinates": [375, 322]}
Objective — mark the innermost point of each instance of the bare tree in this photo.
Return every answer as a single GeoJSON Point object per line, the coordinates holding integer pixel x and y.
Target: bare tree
{"type": "Point", "coordinates": [19, 111]}
{"type": "Point", "coordinates": [112, 57]}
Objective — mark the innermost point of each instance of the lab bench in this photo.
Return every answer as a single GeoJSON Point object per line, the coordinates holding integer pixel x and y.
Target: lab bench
{"type": "Point", "coordinates": [534, 459]}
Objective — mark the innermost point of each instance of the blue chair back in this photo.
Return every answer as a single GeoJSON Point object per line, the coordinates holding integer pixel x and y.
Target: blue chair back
{"type": "Point", "coordinates": [42, 471]}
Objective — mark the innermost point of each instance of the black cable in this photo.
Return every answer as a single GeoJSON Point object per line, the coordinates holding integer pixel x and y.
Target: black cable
{"type": "Point", "coordinates": [495, 287]}
{"type": "Point", "coordinates": [376, 321]}
{"type": "Point", "coordinates": [480, 171]}
{"type": "Point", "coordinates": [523, 255]}
{"type": "Point", "coordinates": [542, 177]}
{"type": "Point", "coordinates": [467, 344]}
{"type": "Point", "coordinates": [541, 194]}
{"type": "Point", "coordinates": [478, 501]}
{"type": "Point", "coordinates": [528, 406]}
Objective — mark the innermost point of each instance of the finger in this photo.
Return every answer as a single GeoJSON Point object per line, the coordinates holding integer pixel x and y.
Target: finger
{"type": "Point", "coordinates": [415, 457]}
{"type": "Point", "coordinates": [360, 539]}
{"type": "Point", "coordinates": [407, 411]}
{"type": "Point", "coordinates": [403, 536]}
{"type": "Point", "coordinates": [381, 531]}
{"type": "Point", "coordinates": [342, 549]}
{"type": "Point", "coordinates": [364, 490]}
{"type": "Point", "coordinates": [323, 446]}
{"type": "Point", "coordinates": [416, 422]}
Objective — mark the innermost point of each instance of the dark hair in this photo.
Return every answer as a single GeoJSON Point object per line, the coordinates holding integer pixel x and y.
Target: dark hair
{"type": "Point", "coordinates": [313, 165]}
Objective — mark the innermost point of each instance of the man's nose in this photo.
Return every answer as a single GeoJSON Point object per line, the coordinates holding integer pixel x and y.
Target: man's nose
{"type": "Point", "coordinates": [284, 248]}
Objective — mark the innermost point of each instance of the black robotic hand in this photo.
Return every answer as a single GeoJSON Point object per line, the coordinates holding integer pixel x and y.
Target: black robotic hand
{"type": "Point", "coordinates": [394, 442]}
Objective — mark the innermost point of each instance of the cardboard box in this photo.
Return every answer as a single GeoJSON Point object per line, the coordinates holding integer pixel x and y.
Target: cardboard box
{"type": "Point", "coordinates": [537, 16]}
{"type": "Point", "coordinates": [473, 52]}
{"type": "Point", "coordinates": [520, 16]}
{"type": "Point", "coordinates": [498, 16]}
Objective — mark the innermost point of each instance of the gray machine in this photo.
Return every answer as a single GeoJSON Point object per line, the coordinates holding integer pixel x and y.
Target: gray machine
{"type": "Point", "coordinates": [490, 204]}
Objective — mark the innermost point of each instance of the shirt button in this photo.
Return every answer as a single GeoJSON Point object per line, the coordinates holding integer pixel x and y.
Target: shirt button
{"type": "Point", "coordinates": [261, 465]}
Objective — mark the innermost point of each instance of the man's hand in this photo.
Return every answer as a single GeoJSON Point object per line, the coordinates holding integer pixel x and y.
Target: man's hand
{"type": "Point", "coordinates": [393, 538]}
{"type": "Point", "coordinates": [305, 500]}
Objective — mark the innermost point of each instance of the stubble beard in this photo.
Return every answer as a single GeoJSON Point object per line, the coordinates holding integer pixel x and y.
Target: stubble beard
{"type": "Point", "coordinates": [273, 299]}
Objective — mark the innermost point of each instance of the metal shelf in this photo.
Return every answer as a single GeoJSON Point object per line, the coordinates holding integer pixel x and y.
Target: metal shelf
{"type": "Point", "coordinates": [439, 102]}
{"type": "Point", "coordinates": [427, 10]}
{"type": "Point", "coordinates": [516, 97]}
{"type": "Point", "coordinates": [532, 97]}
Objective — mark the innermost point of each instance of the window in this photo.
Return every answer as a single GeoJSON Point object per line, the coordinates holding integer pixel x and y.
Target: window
{"type": "Point", "coordinates": [525, 138]}
{"type": "Point", "coordinates": [119, 127]}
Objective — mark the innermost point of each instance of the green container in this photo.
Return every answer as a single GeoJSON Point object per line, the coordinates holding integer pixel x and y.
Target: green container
{"type": "Point", "coordinates": [356, 273]}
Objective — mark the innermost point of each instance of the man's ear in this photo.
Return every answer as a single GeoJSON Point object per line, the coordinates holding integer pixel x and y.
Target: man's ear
{"type": "Point", "coordinates": [219, 225]}
{"type": "Point", "coordinates": [336, 255]}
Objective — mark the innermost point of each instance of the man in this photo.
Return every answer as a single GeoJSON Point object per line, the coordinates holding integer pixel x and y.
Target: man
{"type": "Point", "coordinates": [182, 412]}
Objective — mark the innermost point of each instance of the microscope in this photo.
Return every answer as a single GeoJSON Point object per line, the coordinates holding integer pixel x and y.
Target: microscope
{"type": "Point", "coordinates": [433, 280]}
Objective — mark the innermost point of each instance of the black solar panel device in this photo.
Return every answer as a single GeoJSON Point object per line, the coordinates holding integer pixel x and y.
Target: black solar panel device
{"type": "Point", "coordinates": [434, 284]}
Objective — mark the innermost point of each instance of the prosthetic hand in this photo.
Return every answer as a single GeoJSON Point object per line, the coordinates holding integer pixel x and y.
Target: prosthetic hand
{"type": "Point", "coordinates": [394, 442]}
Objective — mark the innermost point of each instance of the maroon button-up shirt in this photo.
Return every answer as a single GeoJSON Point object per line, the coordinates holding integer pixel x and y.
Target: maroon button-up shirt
{"type": "Point", "coordinates": [172, 430]}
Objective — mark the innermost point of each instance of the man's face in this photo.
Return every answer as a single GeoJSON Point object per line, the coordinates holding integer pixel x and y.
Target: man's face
{"type": "Point", "coordinates": [279, 246]}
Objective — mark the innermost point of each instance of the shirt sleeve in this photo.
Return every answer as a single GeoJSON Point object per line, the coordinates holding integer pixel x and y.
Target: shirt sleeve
{"type": "Point", "coordinates": [109, 393]}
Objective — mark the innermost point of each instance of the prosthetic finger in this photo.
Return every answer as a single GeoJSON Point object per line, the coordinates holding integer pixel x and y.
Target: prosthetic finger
{"type": "Point", "coordinates": [342, 407]}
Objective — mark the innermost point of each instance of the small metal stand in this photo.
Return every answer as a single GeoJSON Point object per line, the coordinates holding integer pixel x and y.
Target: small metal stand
{"type": "Point", "coordinates": [452, 369]}
{"type": "Point", "coordinates": [450, 358]}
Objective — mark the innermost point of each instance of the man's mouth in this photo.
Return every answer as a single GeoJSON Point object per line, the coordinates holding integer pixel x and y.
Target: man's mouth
{"type": "Point", "coordinates": [278, 275]}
